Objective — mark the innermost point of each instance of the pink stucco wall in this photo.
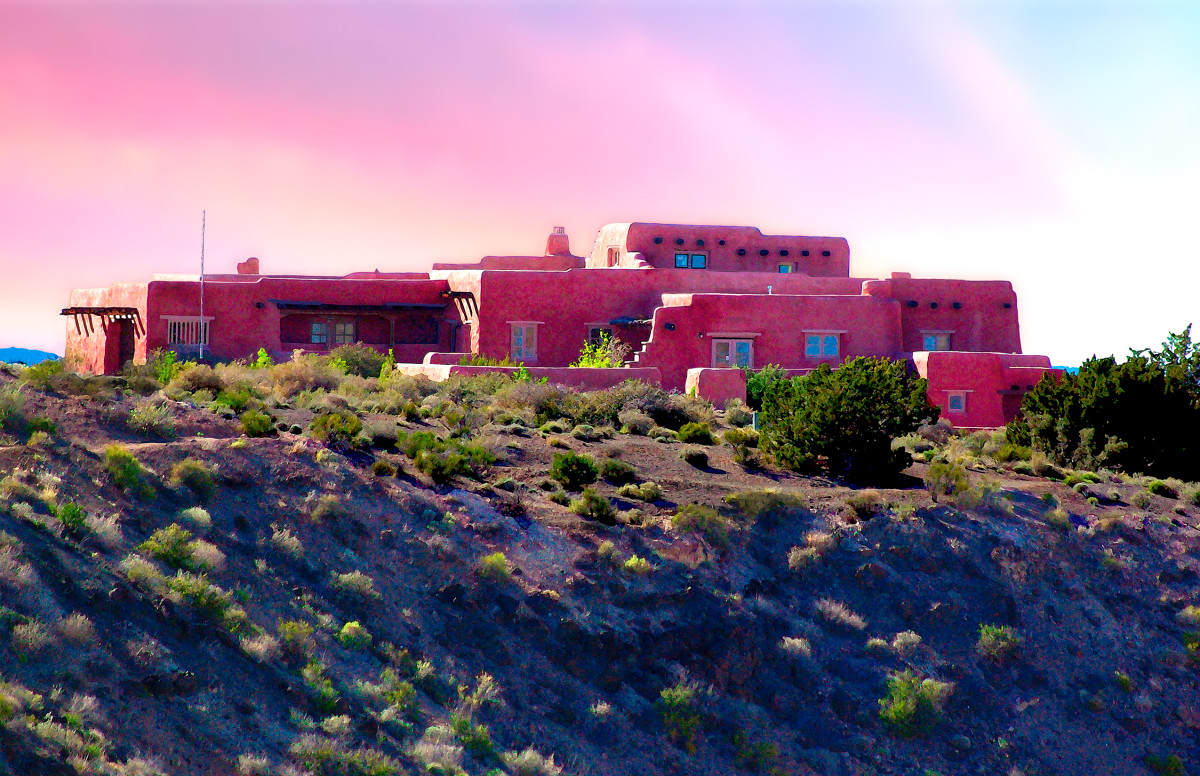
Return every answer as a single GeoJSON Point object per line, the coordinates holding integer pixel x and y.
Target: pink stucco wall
{"type": "Point", "coordinates": [581, 378]}
{"type": "Point", "coordinates": [979, 315]}
{"type": "Point", "coordinates": [718, 386]}
{"type": "Point", "coordinates": [657, 245]}
{"type": "Point", "coordinates": [97, 353]}
{"type": "Point", "coordinates": [992, 384]}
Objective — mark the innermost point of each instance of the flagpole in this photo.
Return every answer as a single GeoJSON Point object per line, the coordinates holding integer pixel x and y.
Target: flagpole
{"type": "Point", "coordinates": [201, 331]}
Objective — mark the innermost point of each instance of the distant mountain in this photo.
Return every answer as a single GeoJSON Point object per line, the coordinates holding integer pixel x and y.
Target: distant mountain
{"type": "Point", "coordinates": [24, 356]}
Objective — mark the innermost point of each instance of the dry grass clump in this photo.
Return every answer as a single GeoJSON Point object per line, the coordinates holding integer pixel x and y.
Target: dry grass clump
{"type": "Point", "coordinates": [354, 583]}
{"type": "Point", "coordinates": [837, 613]}
{"type": "Point", "coordinates": [531, 763]}
{"type": "Point", "coordinates": [198, 517]}
{"type": "Point", "coordinates": [106, 530]}
{"type": "Point", "coordinates": [29, 639]}
{"type": "Point", "coordinates": [796, 646]}
{"type": "Point", "coordinates": [817, 544]}
{"type": "Point", "coordinates": [253, 765]}
{"type": "Point", "coordinates": [905, 643]}
{"type": "Point", "coordinates": [438, 748]}
{"type": "Point", "coordinates": [13, 572]}
{"type": "Point", "coordinates": [76, 628]}
{"type": "Point", "coordinates": [286, 542]}
{"type": "Point", "coordinates": [262, 647]}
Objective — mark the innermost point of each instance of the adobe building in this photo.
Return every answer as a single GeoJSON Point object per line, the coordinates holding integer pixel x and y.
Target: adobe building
{"type": "Point", "coordinates": [694, 302]}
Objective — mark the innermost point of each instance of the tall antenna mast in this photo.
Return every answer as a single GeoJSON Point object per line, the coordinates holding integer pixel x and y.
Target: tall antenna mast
{"type": "Point", "coordinates": [201, 330]}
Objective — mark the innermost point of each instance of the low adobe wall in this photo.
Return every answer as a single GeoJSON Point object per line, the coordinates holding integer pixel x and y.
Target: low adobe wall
{"type": "Point", "coordinates": [992, 384]}
{"type": "Point", "coordinates": [717, 385]}
{"type": "Point", "coordinates": [583, 378]}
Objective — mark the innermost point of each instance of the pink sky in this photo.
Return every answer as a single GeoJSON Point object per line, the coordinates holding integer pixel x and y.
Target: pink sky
{"type": "Point", "coordinates": [1053, 145]}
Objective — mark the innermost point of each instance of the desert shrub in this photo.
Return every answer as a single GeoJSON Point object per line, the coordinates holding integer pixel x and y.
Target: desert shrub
{"type": "Point", "coordinates": [617, 472]}
{"type": "Point", "coordinates": [12, 408]}
{"type": "Point", "coordinates": [72, 517]}
{"type": "Point", "coordinates": [382, 468]}
{"type": "Point", "coordinates": [696, 433]}
{"type": "Point", "coordinates": [817, 544]}
{"type": "Point", "coordinates": [196, 477]}
{"type": "Point", "coordinates": [865, 503]}
{"type": "Point", "coordinates": [1009, 452]}
{"type": "Point", "coordinates": [443, 460]}
{"type": "Point", "coordinates": [679, 708]}
{"type": "Point", "coordinates": [946, 479]}
{"type": "Point", "coordinates": [175, 546]}
{"type": "Point", "coordinates": [474, 737]}
{"type": "Point", "coordinates": [530, 762]}
{"type": "Point", "coordinates": [768, 504]}
{"type": "Point", "coordinates": [573, 470]}
{"type": "Point", "coordinates": [195, 377]}
{"type": "Point", "coordinates": [587, 433]}
{"type": "Point", "coordinates": [303, 373]}
{"type": "Point", "coordinates": [737, 414]}
{"type": "Point", "coordinates": [837, 613]}
{"type": "Point", "coordinates": [207, 599]}
{"type": "Point", "coordinates": [336, 428]}
{"type": "Point", "coordinates": [297, 636]}
{"type": "Point", "coordinates": [358, 359]}
{"type": "Point", "coordinates": [354, 583]}
{"type": "Point", "coordinates": [905, 643]}
{"type": "Point", "coordinates": [634, 422]}
{"type": "Point", "coordinates": [796, 646]}
{"type": "Point", "coordinates": [637, 565]}
{"type": "Point", "coordinates": [354, 636]}
{"type": "Point", "coordinates": [913, 705]}
{"type": "Point", "coordinates": [152, 418]}
{"type": "Point", "coordinates": [40, 376]}
{"type": "Point", "coordinates": [127, 472]}
{"type": "Point", "coordinates": [704, 520]}
{"type": "Point", "coordinates": [592, 506]}
{"type": "Point", "coordinates": [743, 441]}
{"type": "Point", "coordinates": [609, 353]}
{"type": "Point", "coordinates": [30, 639]}
{"type": "Point", "coordinates": [320, 687]}
{"type": "Point", "coordinates": [846, 418]}
{"type": "Point", "coordinates": [495, 567]}
{"type": "Point", "coordinates": [996, 643]}
{"type": "Point", "coordinates": [1168, 765]}
{"type": "Point", "coordinates": [758, 383]}
{"type": "Point", "coordinates": [286, 542]}
{"type": "Point", "coordinates": [256, 423]}
{"type": "Point", "coordinates": [695, 456]}
{"type": "Point", "coordinates": [199, 518]}
{"type": "Point", "coordinates": [647, 491]}
{"type": "Point", "coordinates": [1098, 416]}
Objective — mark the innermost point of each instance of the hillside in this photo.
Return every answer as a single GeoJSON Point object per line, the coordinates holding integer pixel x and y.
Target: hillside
{"type": "Point", "coordinates": [342, 613]}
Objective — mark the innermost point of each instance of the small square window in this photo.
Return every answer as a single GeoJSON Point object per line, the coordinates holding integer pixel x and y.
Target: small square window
{"type": "Point", "coordinates": [523, 346]}
{"type": "Point", "coordinates": [956, 402]}
{"type": "Point", "coordinates": [320, 333]}
{"type": "Point", "coordinates": [681, 260]}
{"type": "Point", "coordinates": [343, 333]}
{"type": "Point", "coordinates": [935, 341]}
{"type": "Point", "coordinates": [597, 334]}
{"type": "Point", "coordinates": [785, 269]}
{"type": "Point", "coordinates": [699, 261]}
{"type": "Point", "coordinates": [821, 345]}
{"type": "Point", "coordinates": [732, 353]}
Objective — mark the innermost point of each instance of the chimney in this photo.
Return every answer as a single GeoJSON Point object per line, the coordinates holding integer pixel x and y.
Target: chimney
{"type": "Point", "coordinates": [248, 267]}
{"type": "Point", "coordinates": [557, 244]}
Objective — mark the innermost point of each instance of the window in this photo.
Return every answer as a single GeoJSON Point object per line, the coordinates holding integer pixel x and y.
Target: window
{"type": "Point", "coordinates": [596, 334]}
{"type": "Point", "coordinates": [343, 333]}
{"type": "Point", "coordinates": [732, 352]}
{"type": "Point", "coordinates": [523, 346]}
{"type": "Point", "coordinates": [956, 401]}
{"type": "Point", "coordinates": [681, 260]}
{"type": "Point", "coordinates": [187, 329]}
{"type": "Point", "coordinates": [699, 261]}
{"type": "Point", "coordinates": [935, 340]}
{"type": "Point", "coordinates": [821, 345]}
{"type": "Point", "coordinates": [320, 332]}
{"type": "Point", "coordinates": [785, 269]}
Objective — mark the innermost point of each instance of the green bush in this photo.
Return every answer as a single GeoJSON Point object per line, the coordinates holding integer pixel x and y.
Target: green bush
{"type": "Point", "coordinates": [336, 428]}
{"type": "Point", "coordinates": [172, 545]}
{"type": "Point", "coordinates": [127, 472]}
{"type": "Point", "coordinates": [703, 520]}
{"type": "Point", "coordinates": [946, 479]}
{"type": "Point", "coordinates": [593, 506]}
{"type": "Point", "coordinates": [679, 708]}
{"type": "Point", "coordinates": [495, 568]}
{"type": "Point", "coordinates": [354, 636]}
{"type": "Point", "coordinates": [72, 516]}
{"type": "Point", "coordinates": [382, 468]}
{"type": "Point", "coordinates": [758, 383]}
{"type": "Point", "coordinates": [475, 738]}
{"type": "Point", "coordinates": [647, 491]}
{"type": "Point", "coordinates": [152, 419]}
{"type": "Point", "coordinates": [609, 353]}
{"type": "Point", "coordinates": [256, 423]}
{"type": "Point", "coordinates": [320, 687]}
{"type": "Point", "coordinates": [1160, 488]}
{"type": "Point", "coordinates": [573, 470]}
{"type": "Point", "coordinates": [359, 359]}
{"type": "Point", "coordinates": [12, 408]}
{"type": "Point", "coordinates": [696, 433]}
{"type": "Point", "coordinates": [196, 477]}
{"type": "Point", "coordinates": [40, 376]}
{"type": "Point", "coordinates": [913, 705]}
{"type": "Point", "coordinates": [1142, 415]}
{"type": "Point", "coordinates": [996, 642]}
{"type": "Point", "coordinates": [846, 417]}
{"type": "Point", "coordinates": [617, 472]}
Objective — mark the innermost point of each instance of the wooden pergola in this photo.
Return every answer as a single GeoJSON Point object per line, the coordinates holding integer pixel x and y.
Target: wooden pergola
{"type": "Point", "coordinates": [85, 326]}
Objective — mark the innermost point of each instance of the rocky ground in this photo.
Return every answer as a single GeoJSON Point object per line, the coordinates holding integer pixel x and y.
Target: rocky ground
{"type": "Point", "coordinates": [757, 637]}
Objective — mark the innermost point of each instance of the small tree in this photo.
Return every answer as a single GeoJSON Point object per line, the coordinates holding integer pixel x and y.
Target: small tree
{"type": "Point", "coordinates": [609, 352]}
{"type": "Point", "coordinates": [845, 419]}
